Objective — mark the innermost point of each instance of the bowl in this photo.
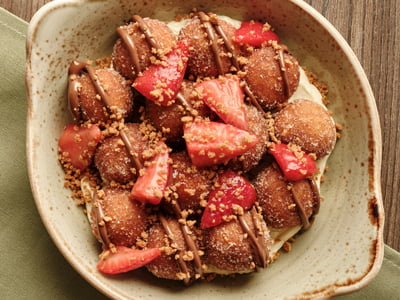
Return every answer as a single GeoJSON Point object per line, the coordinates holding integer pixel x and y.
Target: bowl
{"type": "Point", "coordinates": [343, 250]}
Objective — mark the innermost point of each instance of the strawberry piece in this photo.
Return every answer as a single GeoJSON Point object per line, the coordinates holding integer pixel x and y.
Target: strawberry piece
{"type": "Point", "coordinates": [211, 143]}
{"type": "Point", "coordinates": [125, 259]}
{"type": "Point", "coordinates": [78, 143]}
{"type": "Point", "coordinates": [232, 189]}
{"type": "Point", "coordinates": [295, 165]}
{"type": "Point", "coordinates": [225, 97]}
{"type": "Point", "coordinates": [161, 82]}
{"type": "Point", "coordinates": [254, 33]}
{"type": "Point", "coordinates": [150, 186]}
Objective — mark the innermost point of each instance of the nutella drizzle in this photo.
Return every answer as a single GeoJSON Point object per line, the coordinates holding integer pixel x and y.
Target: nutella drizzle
{"type": "Point", "coordinates": [205, 20]}
{"type": "Point", "coordinates": [256, 239]}
{"type": "Point", "coordinates": [73, 88]}
{"type": "Point", "coordinates": [182, 263]}
{"type": "Point", "coordinates": [282, 68]}
{"type": "Point", "coordinates": [99, 216]}
{"type": "Point", "coordinates": [306, 222]}
{"type": "Point", "coordinates": [133, 53]}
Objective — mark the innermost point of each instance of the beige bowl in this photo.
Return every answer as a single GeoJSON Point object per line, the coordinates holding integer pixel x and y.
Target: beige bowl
{"type": "Point", "coordinates": [343, 250]}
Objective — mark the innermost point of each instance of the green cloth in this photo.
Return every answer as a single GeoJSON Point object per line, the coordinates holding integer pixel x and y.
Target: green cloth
{"type": "Point", "coordinates": [31, 267]}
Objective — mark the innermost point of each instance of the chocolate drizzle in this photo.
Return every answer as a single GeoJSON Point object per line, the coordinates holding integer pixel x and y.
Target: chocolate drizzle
{"type": "Point", "coordinates": [256, 238]}
{"type": "Point", "coordinates": [282, 68]}
{"type": "Point", "coordinates": [74, 70]}
{"type": "Point", "coordinates": [100, 223]}
{"type": "Point", "coordinates": [205, 19]}
{"type": "Point", "coordinates": [133, 53]}
{"type": "Point", "coordinates": [307, 221]}
{"type": "Point", "coordinates": [186, 232]}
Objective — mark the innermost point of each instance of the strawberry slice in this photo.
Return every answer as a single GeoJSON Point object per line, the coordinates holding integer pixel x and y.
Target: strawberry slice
{"type": "Point", "coordinates": [78, 143]}
{"type": "Point", "coordinates": [225, 97]}
{"type": "Point", "coordinates": [125, 259]}
{"type": "Point", "coordinates": [211, 143]}
{"type": "Point", "coordinates": [160, 82]}
{"type": "Point", "coordinates": [254, 33]}
{"type": "Point", "coordinates": [150, 186]}
{"type": "Point", "coordinates": [295, 164]}
{"type": "Point", "coordinates": [231, 189]}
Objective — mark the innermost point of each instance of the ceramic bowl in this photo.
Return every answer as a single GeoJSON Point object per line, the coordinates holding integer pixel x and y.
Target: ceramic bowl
{"type": "Point", "coordinates": [343, 250]}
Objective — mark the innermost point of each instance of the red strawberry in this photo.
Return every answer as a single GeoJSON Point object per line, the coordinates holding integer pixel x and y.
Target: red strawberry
{"type": "Point", "coordinates": [161, 82]}
{"type": "Point", "coordinates": [211, 143]}
{"type": "Point", "coordinates": [232, 189]}
{"type": "Point", "coordinates": [295, 165]}
{"type": "Point", "coordinates": [254, 33]}
{"type": "Point", "coordinates": [226, 98]}
{"type": "Point", "coordinates": [125, 259]}
{"type": "Point", "coordinates": [150, 186]}
{"type": "Point", "coordinates": [78, 143]}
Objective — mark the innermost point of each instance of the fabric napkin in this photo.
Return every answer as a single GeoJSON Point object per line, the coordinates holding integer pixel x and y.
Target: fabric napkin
{"type": "Point", "coordinates": [31, 267]}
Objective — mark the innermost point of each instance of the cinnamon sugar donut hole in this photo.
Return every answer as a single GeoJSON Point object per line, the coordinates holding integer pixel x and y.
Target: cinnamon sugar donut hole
{"type": "Point", "coordinates": [113, 160]}
{"type": "Point", "coordinates": [258, 126]}
{"type": "Point", "coordinates": [168, 119]}
{"type": "Point", "coordinates": [187, 185]}
{"type": "Point", "coordinates": [308, 125]}
{"type": "Point", "coordinates": [265, 79]}
{"type": "Point", "coordinates": [228, 247]}
{"type": "Point", "coordinates": [275, 195]}
{"type": "Point", "coordinates": [91, 104]}
{"type": "Point", "coordinates": [201, 56]}
{"type": "Point", "coordinates": [167, 265]}
{"type": "Point", "coordinates": [121, 58]}
{"type": "Point", "coordinates": [125, 220]}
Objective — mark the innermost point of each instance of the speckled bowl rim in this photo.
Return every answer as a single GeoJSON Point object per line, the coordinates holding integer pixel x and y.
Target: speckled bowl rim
{"type": "Point", "coordinates": [375, 163]}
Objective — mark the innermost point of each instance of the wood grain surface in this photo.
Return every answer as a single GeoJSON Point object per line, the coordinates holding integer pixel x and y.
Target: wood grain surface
{"type": "Point", "coordinates": [371, 27]}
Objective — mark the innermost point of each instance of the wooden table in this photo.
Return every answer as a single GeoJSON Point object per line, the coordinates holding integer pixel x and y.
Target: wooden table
{"type": "Point", "coordinates": [370, 28]}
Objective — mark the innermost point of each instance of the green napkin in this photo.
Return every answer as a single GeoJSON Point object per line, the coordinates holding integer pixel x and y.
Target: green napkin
{"type": "Point", "coordinates": [31, 267]}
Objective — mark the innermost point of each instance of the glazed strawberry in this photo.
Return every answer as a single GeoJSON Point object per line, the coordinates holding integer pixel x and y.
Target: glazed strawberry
{"type": "Point", "coordinates": [295, 164]}
{"type": "Point", "coordinates": [226, 98]}
{"type": "Point", "coordinates": [232, 190]}
{"type": "Point", "coordinates": [125, 259]}
{"type": "Point", "coordinates": [211, 143]}
{"type": "Point", "coordinates": [160, 82]}
{"type": "Point", "coordinates": [150, 186]}
{"type": "Point", "coordinates": [78, 143]}
{"type": "Point", "coordinates": [254, 33]}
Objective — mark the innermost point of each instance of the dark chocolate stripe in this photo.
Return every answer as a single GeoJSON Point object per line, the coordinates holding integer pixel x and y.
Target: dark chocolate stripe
{"type": "Point", "coordinates": [99, 217]}
{"type": "Point", "coordinates": [256, 240]}
{"type": "Point", "coordinates": [181, 261]}
{"type": "Point", "coordinates": [189, 241]}
{"type": "Point", "coordinates": [133, 53]}
{"type": "Point", "coordinates": [205, 20]}
{"type": "Point", "coordinates": [282, 68]}
{"type": "Point", "coordinates": [307, 221]}
{"type": "Point", "coordinates": [74, 71]}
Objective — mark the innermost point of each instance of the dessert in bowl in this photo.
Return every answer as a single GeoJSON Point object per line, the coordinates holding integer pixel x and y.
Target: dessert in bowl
{"type": "Point", "coordinates": [335, 254]}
